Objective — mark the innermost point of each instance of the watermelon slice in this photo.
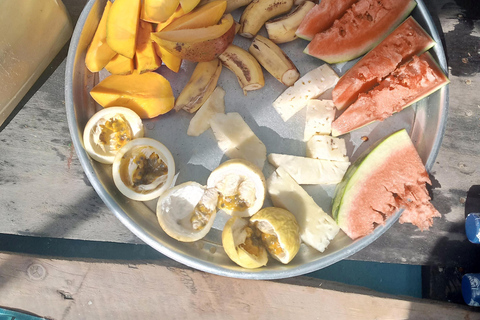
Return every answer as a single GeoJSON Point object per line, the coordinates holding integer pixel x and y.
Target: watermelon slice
{"type": "Point", "coordinates": [379, 183]}
{"type": "Point", "coordinates": [406, 85]}
{"type": "Point", "coordinates": [321, 17]}
{"type": "Point", "coordinates": [364, 25]}
{"type": "Point", "coordinates": [400, 46]}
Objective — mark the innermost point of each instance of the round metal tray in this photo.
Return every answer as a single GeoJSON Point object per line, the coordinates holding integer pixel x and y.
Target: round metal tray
{"type": "Point", "coordinates": [195, 157]}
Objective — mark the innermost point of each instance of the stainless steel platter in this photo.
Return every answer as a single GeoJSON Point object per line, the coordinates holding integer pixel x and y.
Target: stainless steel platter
{"type": "Point", "coordinates": [195, 157]}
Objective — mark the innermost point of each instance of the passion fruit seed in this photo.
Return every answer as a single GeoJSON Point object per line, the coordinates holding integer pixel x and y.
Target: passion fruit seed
{"type": "Point", "coordinates": [232, 203]}
{"type": "Point", "coordinates": [242, 198]}
{"type": "Point", "coordinates": [148, 169]}
{"type": "Point", "coordinates": [252, 243]}
{"type": "Point", "coordinates": [270, 241]}
{"type": "Point", "coordinates": [114, 133]}
{"type": "Point", "coordinates": [201, 216]}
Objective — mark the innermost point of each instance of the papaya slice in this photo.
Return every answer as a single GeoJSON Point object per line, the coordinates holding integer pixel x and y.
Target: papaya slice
{"type": "Point", "coordinates": [364, 25]}
{"type": "Point", "coordinates": [99, 53]}
{"type": "Point", "coordinates": [404, 42]}
{"type": "Point", "coordinates": [122, 24]}
{"type": "Point", "coordinates": [406, 85]}
{"type": "Point", "coordinates": [148, 94]}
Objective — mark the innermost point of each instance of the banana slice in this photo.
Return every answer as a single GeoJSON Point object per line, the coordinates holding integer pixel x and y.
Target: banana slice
{"type": "Point", "coordinates": [187, 211]}
{"type": "Point", "coordinates": [241, 187]}
{"type": "Point", "coordinates": [143, 169]}
{"type": "Point", "coordinates": [280, 232]}
{"type": "Point", "coordinates": [243, 244]}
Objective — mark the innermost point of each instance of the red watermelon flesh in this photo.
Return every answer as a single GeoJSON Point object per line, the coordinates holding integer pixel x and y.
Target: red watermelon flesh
{"type": "Point", "coordinates": [406, 85]}
{"type": "Point", "coordinates": [404, 42]}
{"type": "Point", "coordinates": [390, 177]}
{"type": "Point", "coordinates": [322, 16]}
{"type": "Point", "coordinates": [364, 25]}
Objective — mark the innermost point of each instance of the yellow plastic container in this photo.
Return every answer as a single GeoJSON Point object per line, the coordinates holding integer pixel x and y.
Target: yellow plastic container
{"type": "Point", "coordinates": [32, 33]}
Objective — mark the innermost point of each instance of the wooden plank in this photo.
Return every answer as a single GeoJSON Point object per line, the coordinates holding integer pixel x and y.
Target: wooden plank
{"type": "Point", "coordinates": [44, 192]}
{"type": "Point", "coordinates": [68, 289]}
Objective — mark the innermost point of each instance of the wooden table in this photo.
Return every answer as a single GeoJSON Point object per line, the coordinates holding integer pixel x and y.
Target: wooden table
{"type": "Point", "coordinates": [44, 192]}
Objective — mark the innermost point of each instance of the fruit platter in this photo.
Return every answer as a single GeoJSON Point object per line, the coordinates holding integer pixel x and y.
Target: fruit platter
{"type": "Point", "coordinates": [258, 139]}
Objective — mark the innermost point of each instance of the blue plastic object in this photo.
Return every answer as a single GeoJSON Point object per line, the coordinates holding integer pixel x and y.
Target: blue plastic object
{"type": "Point", "coordinates": [14, 315]}
{"type": "Point", "coordinates": [471, 289]}
{"type": "Point", "coordinates": [472, 227]}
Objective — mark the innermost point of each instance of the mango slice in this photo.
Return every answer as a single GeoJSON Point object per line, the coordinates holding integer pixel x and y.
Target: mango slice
{"type": "Point", "coordinates": [146, 59]}
{"type": "Point", "coordinates": [205, 16]}
{"type": "Point", "coordinates": [172, 62]}
{"type": "Point", "coordinates": [177, 14]}
{"type": "Point", "coordinates": [99, 53]}
{"type": "Point", "coordinates": [122, 25]}
{"type": "Point", "coordinates": [120, 65]}
{"type": "Point", "coordinates": [158, 10]}
{"type": "Point", "coordinates": [188, 5]}
{"type": "Point", "coordinates": [201, 44]}
{"type": "Point", "coordinates": [148, 94]}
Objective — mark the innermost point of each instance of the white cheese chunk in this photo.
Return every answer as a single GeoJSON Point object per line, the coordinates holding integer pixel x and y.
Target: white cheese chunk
{"type": "Point", "coordinates": [308, 87]}
{"type": "Point", "coordinates": [317, 228]}
{"type": "Point", "coordinates": [201, 120]}
{"type": "Point", "coordinates": [236, 139]}
{"type": "Point", "coordinates": [327, 148]}
{"type": "Point", "coordinates": [319, 118]}
{"type": "Point", "coordinates": [308, 170]}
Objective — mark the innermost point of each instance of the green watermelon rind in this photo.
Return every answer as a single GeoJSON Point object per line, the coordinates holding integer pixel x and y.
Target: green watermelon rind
{"type": "Point", "coordinates": [433, 63]}
{"type": "Point", "coordinates": [361, 170]}
{"type": "Point", "coordinates": [353, 54]}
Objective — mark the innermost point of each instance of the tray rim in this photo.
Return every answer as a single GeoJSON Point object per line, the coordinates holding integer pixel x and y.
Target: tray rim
{"type": "Point", "coordinates": [259, 274]}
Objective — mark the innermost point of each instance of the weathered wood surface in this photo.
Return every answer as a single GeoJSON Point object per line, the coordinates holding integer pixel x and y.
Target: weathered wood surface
{"type": "Point", "coordinates": [62, 289]}
{"type": "Point", "coordinates": [44, 192]}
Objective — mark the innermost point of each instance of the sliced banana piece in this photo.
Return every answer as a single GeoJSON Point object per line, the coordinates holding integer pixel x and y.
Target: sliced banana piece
{"type": "Point", "coordinates": [308, 87]}
{"type": "Point", "coordinates": [310, 171]}
{"type": "Point", "coordinates": [249, 73]}
{"type": "Point", "coordinates": [243, 245]}
{"type": "Point", "coordinates": [282, 29]}
{"type": "Point", "coordinates": [317, 228]}
{"type": "Point", "coordinates": [187, 211]}
{"type": "Point", "coordinates": [236, 139]}
{"type": "Point", "coordinates": [274, 60]}
{"type": "Point", "coordinates": [258, 12]}
{"type": "Point", "coordinates": [279, 232]}
{"type": "Point", "coordinates": [241, 187]}
{"type": "Point", "coordinates": [201, 120]}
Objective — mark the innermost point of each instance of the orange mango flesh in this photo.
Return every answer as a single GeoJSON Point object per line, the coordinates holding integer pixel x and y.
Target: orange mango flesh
{"type": "Point", "coordinates": [188, 5]}
{"type": "Point", "coordinates": [205, 16]}
{"type": "Point", "coordinates": [177, 14]}
{"type": "Point", "coordinates": [99, 53]}
{"type": "Point", "coordinates": [146, 59]}
{"type": "Point", "coordinates": [195, 35]}
{"type": "Point", "coordinates": [120, 65]}
{"type": "Point", "coordinates": [148, 94]}
{"type": "Point", "coordinates": [158, 11]}
{"type": "Point", "coordinates": [122, 24]}
{"type": "Point", "coordinates": [171, 61]}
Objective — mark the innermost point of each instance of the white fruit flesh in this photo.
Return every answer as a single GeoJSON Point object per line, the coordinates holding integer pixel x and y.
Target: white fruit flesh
{"type": "Point", "coordinates": [176, 211]}
{"type": "Point", "coordinates": [201, 120]}
{"type": "Point", "coordinates": [327, 148]}
{"type": "Point", "coordinates": [308, 87]}
{"type": "Point", "coordinates": [319, 118]}
{"type": "Point", "coordinates": [317, 228]}
{"type": "Point", "coordinates": [237, 140]}
{"type": "Point", "coordinates": [310, 171]}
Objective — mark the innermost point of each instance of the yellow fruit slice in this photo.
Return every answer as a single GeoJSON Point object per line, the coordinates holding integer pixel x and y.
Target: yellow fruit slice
{"type": "Point", "coordinates": [146, 59]}
{"type": "Point", "coordinates": [122, 24]}
{"type": "Point", "coordinates": [280, 232]}
{"type": "Point", "coordinates": [242, 245]}
{"type": "Point", "coordinates": [158, 10]}
{"type": "Point", "coordinates": [120, 65]}
{"type": "Point", "coordinates": [188, 5]}
{"type": "Point", "coordinates": [205, 16]}
{"type": "Point", "coordinates": [99, 53]}
{"type": "Point", "coordinates": [148, 94]}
